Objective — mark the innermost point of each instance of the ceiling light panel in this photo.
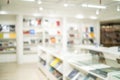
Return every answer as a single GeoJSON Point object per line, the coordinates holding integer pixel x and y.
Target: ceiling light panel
{"type": "Point", "coordinates": [93, 17]}
{"type": "Point", "coordinates": [40, 8]}
{"type": "Point", "coordinates": [79, 16]}
{"type": "Point", "coordinates": [65, 5]}
{"type": "Point", "coordinates": [118, 8]}
{"type": "Point", "coordinates": [3, 12]}
{"type": "Point", "coordinates": [93, 6]}
{"type": "Point", "coordinates": [39, 2]}
{"type": "Point", "coordinates": [116, 0]}
{"type": "Point", "coordinates": [29, 0]}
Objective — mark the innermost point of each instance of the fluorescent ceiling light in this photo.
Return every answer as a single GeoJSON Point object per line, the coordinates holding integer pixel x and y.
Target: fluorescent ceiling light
{"type": "Point", "coordinates": [39, 1]}
{"type": "Point", "coordinates": [52, 15]}
{"type": "Point", "coordinates": [29, 0]}
{"type": "Point", "coordinates": [36, 14]}
{"type": "Point", "coordinates": [93, 17]}
{"type": "Point", "coordinates": [94, 6]}
{"type": "Point", "coordinates": [65, 5]}
{"type": "Point", "coordinates": [97, 12]}
{"type": "Point", "coordinates": [116, 0]}
{"type": "Point", "coordinates": [118, 8]}
{"type": "Point", "coordinates": [41, 8]}
{"type": "Point", "coordinates": [79, 16]}
{"type": "Point", "coordinates": [3, 12]}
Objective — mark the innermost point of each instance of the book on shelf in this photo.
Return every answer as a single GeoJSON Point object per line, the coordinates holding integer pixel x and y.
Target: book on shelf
{"type": "Point", "coordinates": [1, 35]}
{"type": "Point", "coordinates": [25, 42]}
{"type": "Point", "coordinates": [60, 68]}
{"type": "Point", "coordinates": [57, 23]}
{"type": "Point", "coordinates": [104, 71]}
{"type": "Point", "coordinates": [6, 35]}
{"type": "Point", "coordinates": [43, 62]}
{"type": "Point", "coordinates": [33, 41]}
{"type": "Point", "coordinates": [27, 49]}
{"type": "Point", "coordinates": [10, 49]}
{"type": "Point", "coordinates": [53, 40]}
{"type": "Point", "coordinates": [114, 75]}
{"type": "Point", "coordinates": [51, 69]}
{"type": "Point", "coordinates": [32, 31]}
{"type": "Point", "coordinates": [73, 73]}
{"type": "Point", "coordinates": [32, 21]}
{"type": "Point", "coordinates": [11, 43]}
{"type": "Point", "coordinates": [58, 64]}
{"type": "Point", "coordinates": [40, 41]}
{"type": "Point", "coordinates": [118, 60]}
{"type": "Point", "coordinates": [12, 35]}
{"type": "Point", "coordinates": [55, 73]}
{"type": "Point", "coordinates": [7, 28]}
{"type": "Point", "coordinates": [55, 62]}
{"type": "Point", "coordinates": [1, 49]}
{"type": "Point", "coordinates": [90, 77]}
{"type": "Point", "coordinates": [5, 44]}
{"type": "Point", "coordinates": [117, 77]}
{"type": "Point", "coordinates": [12, 28]}
{"type": "Point", "coordinates": [4, 28]}
{"type": "Point", "coordinates": [79, 76]}
{"type": "Point", "coordinates": [26, 32]}
{"type": "Point", "coordinates": [0, 44]}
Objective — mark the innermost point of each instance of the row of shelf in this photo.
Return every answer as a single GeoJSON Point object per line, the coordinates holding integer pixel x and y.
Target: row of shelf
{"type": "Point", "coordinates": [76, 62]}
{"type": "Point", "coordinates": [106, 50]}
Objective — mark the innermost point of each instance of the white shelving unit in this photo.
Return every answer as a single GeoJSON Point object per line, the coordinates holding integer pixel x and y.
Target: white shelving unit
{"type": "Point", "coordinates": [32, 34]}
{"type": "Point", "coordinates": [8, 42]}
{"type": "Point", "coordinates": [52, 63]}
{"type": "Point", "coordinates": [50, 60]}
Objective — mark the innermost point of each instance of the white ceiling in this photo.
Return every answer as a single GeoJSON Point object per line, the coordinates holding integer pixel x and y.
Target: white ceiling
{"type": "Point", "coordinates": [55, 7]}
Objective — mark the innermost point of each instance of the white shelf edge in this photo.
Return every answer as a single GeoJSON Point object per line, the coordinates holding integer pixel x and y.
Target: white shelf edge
{"type": "Point", "coordinates": [43, 58]}
{"type": "Point", "coordinates": [7, 51]}
{"type": "Point", "coordinates": [99, 49]}
{"type": "Point", "coordinates": [57, 69]}
{"type": "Point", "coordinates": [47, 73]}
{"type": "Point", "coordinates": [34, 52]}
{"type": "Point", "coordinates": [88, 71]}
{"type": "Point", "coordinates": [51, 51]}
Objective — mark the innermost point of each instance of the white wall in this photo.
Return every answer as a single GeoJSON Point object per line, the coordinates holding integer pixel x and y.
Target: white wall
{"type": "Point", "coordinates": [8, 19]}
{"type": "Point", "coordinates": [7, 58]}
{"type": "Point", "coordinates": [29, 58]}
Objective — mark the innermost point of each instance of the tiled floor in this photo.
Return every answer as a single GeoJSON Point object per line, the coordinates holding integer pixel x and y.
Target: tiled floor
{"type": "Point", "coordinates": [13, 71]}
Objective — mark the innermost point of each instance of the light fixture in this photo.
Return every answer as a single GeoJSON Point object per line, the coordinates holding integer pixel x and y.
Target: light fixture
{"type": "Point", "coordinates": [65, 5]}
{"type": "Point", "coordinates": [94, 6]}
{"type": "Point", "coordinates": [93, 17]}
{"type": "Point", "coordinates": [79, 16]}
{"type": "Point", "coordinates": [29, 0]}
{"type": "Point", "coordinates": [39, 2]}
{"type": "Point", "coordinates": [116, 0]}
{"type": "Point", "coordinates": [3, 12]}
{"type": "Point", "coordinates": [36, 14]}
{"type": "Point", "coordinates": [118, 8]}
{"type": "Point", "coordinates": [98, 12]}
{"type": "Point", "coordinates": [40, 8]}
